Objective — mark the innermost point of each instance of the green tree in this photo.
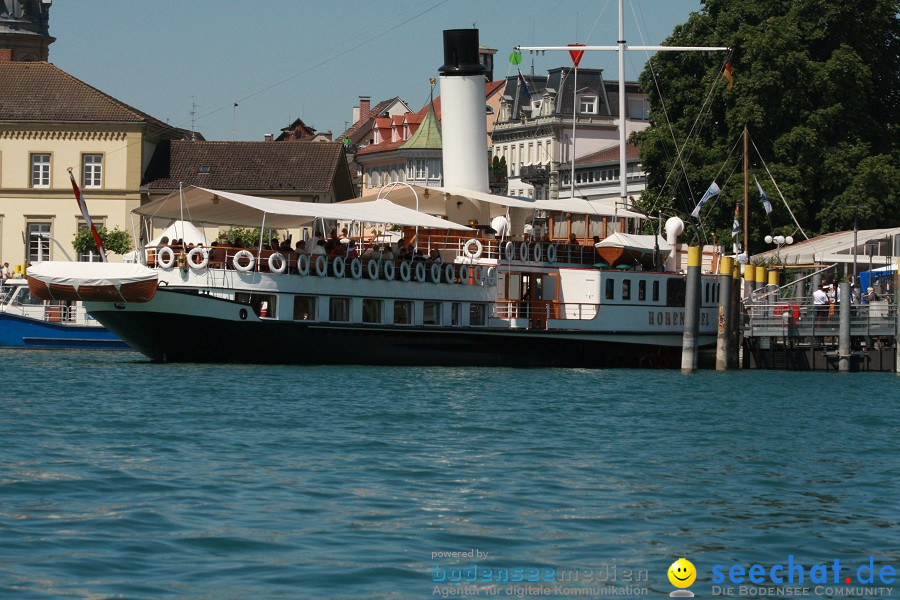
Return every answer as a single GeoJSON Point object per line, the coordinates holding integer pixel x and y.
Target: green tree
{"type": "Point", "coordinates": [248, 238]}
{"type": "Point", "coordinates": [116, 241]}
{"type": "Point", "coordinates": [815, 82]}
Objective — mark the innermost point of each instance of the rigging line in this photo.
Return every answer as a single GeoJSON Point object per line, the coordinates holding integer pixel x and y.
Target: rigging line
{"type": "Point", "coordinates": [775, 183]}
{"type": "Point", "coordinates": [600, 14]}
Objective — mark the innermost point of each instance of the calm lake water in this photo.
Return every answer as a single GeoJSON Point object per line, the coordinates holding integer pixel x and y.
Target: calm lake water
{"type": "Point", "coordinates": [124, 479]}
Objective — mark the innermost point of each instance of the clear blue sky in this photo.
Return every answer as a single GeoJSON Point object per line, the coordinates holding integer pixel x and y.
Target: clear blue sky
{"type": "Point", "coordinates": [283, 59]}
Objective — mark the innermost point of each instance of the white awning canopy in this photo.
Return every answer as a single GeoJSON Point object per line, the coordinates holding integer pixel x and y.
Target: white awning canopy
{"type": "Point", "coordinates": [213, 207]}
{"type": "Point", "coordinates": [602, 208]}
{"type": "Point", "coordinates": [636, 243]}
{"type": "Point", "coordinates": [433, 200]}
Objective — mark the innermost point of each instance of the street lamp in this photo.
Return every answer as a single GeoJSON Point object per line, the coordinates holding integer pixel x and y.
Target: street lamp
{"type": "Point", "coordinates": [779, 241]}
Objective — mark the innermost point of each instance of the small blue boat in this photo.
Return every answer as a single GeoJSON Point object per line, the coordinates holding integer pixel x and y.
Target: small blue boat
{"type": "Point", "coordinates": [29, 322]}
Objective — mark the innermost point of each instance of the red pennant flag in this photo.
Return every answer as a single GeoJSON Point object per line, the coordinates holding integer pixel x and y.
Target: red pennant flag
{"type": "Point", "coordinates": [87, 217]}
{"type": "Point", "coordinates": [576, 54]}
{"type": "Point", "coordinates": [727, 75]}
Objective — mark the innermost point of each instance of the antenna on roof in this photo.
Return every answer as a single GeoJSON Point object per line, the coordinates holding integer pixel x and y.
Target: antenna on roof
{"type": "Point", "coordinates": [194, 106]}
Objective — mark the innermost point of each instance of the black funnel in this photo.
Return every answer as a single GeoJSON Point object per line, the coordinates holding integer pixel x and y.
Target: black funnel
{"type": "Point", "coordinates": [461, 53]}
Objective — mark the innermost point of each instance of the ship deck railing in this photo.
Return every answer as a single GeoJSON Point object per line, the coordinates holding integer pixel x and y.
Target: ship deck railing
{"type": "Point", "coordinates": [804, 320]}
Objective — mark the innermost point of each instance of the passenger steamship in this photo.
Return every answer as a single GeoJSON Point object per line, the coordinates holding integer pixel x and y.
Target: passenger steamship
{"type": "Point", "coordinates": [480, 299]}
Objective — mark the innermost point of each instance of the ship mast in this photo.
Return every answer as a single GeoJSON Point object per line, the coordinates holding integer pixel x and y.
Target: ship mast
{"type": "Point", "coordinates": [621, 47]}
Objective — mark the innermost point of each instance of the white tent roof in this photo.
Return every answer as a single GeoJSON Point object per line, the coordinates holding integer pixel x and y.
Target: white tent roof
{"type": "Point", "coordinates": [180, 230]}
{"type": "Point", "coordinates": [603, 208]}
{"type": "Point", "coordinates": [215, 207]}
{"type": "Point", "coordinates": [837, 248]}
{"type": "Point", "coordinates": [640, 243]}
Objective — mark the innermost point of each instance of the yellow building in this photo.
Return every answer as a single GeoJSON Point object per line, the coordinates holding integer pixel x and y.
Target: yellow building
{"type": "Point", "coordinates": [50, 122]}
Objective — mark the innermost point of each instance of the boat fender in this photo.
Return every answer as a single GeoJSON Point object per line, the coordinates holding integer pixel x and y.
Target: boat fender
{"type": "Point", "coordinates": [389, 270]}
{"type": "Point", "coordinates": [523, 250]}
{"type": "Point", "coordinates": [356, 268]}
{"type": "Point", "coordinates": [464, 274]}
{"type": "Point", "coordinates": [251, 262]}
{"type": "Point", "coordinates": [276, 257]}
{"type": "Point", "coordinates": [405, 270]}
{"type": "Point", "coordinates": [473, 254]}
{"type": "Point", "coordinates": [435, 273]}
{"type": "Point", "coordinates": [339, 266]}
{"type": "Point", "coordinates": [420, 272]}
{"type": "Point", "coordinates": [321, 266]}
{"type": "Point", "coordinates": [551, 253]}
{"type": "Point", "coordinates": [303, 265]}
{"type": "Point", "coordinates": [165, 258]}
{"type": "Point", "coordinates": [373, 269]}
{"type": "Point", "coordinates": [509, 251]}
{"type": "Point", "coordinates": [449, 274]}
{"type": "Point", "coordinates": [192, 258]}
{"type": "Point", "coordinates": [538, 252]}
{"type": "Point", "coordinates": [492, 276]}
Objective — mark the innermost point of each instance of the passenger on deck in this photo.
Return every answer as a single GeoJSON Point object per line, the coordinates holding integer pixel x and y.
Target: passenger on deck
{"type": "Point", "coordinates": [418, 256]}
{"type": "Point", "coordinates": [373, 253]}
{"type": "Point", "coordinates": [163, 240]}
{"type": "Point", "coordinates": [573, 240]}
{"type": "Point", "coordinates": [387, 253]}
{"type": "Point", "coordinates": [273, 245]}
{"type": "Point", "coordinates": [285, 246]}
{"type": "Point", "coordinates": [300, 247]}
{"type": "Point", "coordinates": [352, 252]}
{"type": "Point", "coordinates": [319, 248]}
{"type": "Point", "coordinates": [434, 257]}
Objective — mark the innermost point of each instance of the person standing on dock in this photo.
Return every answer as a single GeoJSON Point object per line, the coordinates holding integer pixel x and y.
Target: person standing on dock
{"type": "Point", "coordinates": [820, 304]}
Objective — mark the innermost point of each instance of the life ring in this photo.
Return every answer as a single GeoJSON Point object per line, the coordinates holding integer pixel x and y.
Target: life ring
{"type": "Point", "coordinates": [356, 268]}
{"type": "Point", "coordinates": [251, 262]}
{"type": "Point", "coordinates": [538, 252]}
{"type": "Point", "coordinates": [204, 258]}
{"type": "Point", "coordinates": [551, 253]}
{"type": "Point", "coordinates": [389, 270]}
{"type": "Point", "coordinates": [405, 270]}
{"type": "Point", "coordinates": [373, 269]}
{"type": "Point", "coordinates": [165, 258]}
{"type": "Point", "coordinates": [464, 274]}
{"type": "Point", "coordinates": [339, 266]}
{"type": "Point", "coordinates": [321, 265]}
{"type": "Point", "coordinates": [523, 250]}
{"type": "Point", "coordinates": [303, 265]}
{"type": "Point", "coordinates": [449, 273]}
{"type": "Point", "coordinates": [276, 256]}
{"type": "Point", "coordinates": [478, 249]}
{"type": "Point", "coordinates": [509, 251]}
{"type": "Point", "coordinates": [492, 276]}
{"type": "Point", "coordinates": [420, 272]}
{"type": "Point", "coordinates": [435, 273]}
{"type": "Point", "coordinates": [478, 274]}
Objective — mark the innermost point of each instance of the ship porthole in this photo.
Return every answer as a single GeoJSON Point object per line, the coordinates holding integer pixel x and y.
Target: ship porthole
{"type": "Point", "coordinates": [243, 314]}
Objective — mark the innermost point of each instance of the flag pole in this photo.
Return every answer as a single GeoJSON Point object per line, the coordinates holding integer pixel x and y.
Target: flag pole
{"type": "Point", "coordinates": [746, 248]}
{"type": "Point", "coordinates": [79, 198]}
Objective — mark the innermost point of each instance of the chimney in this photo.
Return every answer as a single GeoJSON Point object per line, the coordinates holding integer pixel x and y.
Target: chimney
{"type": "Point", "coordinates": [363, 110]}
{"type": "Point", "coordinates": [268, 137]}
{"type": "Point", "coordinates": [5, 54]}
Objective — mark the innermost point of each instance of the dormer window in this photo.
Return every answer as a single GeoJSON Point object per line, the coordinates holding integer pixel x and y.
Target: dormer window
{"type": "Point", "coordinates": [204, 169]}
{"type": "Point", "coordinates": [587, 104]}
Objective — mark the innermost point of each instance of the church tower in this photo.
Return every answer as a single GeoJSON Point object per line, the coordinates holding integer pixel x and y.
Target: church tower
{"type": "Point", "coordinates": [25, 30]}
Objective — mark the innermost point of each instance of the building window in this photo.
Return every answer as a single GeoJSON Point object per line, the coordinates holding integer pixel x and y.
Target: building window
{"type": "Point", "coordinates": [587, 104]}
{"type": "Point", "coordinates": [92, 171]}
{"type": "Point", "coordinates": [372, 310]}
{"type": "Point", "coordinates": [403, 312]}
{"type": "Point", "coordinates": [432, 314]}
{"type": "Point", "coordinates": [339, 309]}
{"type": "Point", "coordinates": [38, 242]}
{"type": "Point", "coordinates": [304, 308]}
{"type": "Point", "coordinates": [40, 170]}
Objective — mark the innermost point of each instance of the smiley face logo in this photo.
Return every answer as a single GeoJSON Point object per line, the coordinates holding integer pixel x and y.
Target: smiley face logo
{"type": "Point", "coordinates": [682, 573]}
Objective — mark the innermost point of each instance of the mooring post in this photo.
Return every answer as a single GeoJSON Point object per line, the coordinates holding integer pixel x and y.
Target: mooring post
{"type": "Point", "coordinates": [844, 328]}
{"type": "Point", "coordinates": [691, 312]}
{"type": "Point", "coordinates": [723, 337]}
{"type": "Point", "coordinates": [734, 325]}
{"type": "Point", "coordinates": [897, 318]}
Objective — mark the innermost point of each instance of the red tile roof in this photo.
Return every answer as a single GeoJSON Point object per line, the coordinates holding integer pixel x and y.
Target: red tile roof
{"type": "Point", "coordinates": [609, 155]}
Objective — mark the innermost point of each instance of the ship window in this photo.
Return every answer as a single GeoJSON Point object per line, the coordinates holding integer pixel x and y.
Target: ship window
{"type": "Point", "coordinates": [626, 289]}
{"type": "Point", "coordinates": [656, 291]}
{"type": "Point", "coordinates": [610, 289]}
{"type": "Point", "coordinates": [263, 304]}
{"type": "Point", "coordinates": [454, 314]}
{"type": "Point", "coordinates": [477, 314]}
{"type": "Point", "coordinates": [642, 290]}
{"type": "Point", "coordinates": [675, 292]}
{"type": "Point", "coordinates": [372, 310]}
{"type": "Point", "coordinates": [304, 308]}
{"type": "Point", "coordinates": [432, 315]}
{"type": "Point", "coordinates": [403, 311]}
{"type": "Point", "coordinates": [339, 309]}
